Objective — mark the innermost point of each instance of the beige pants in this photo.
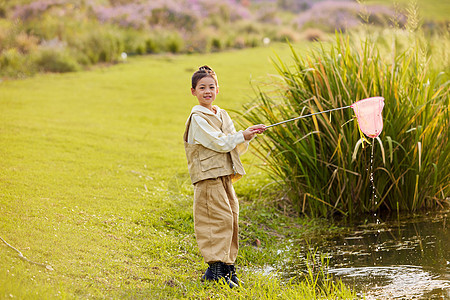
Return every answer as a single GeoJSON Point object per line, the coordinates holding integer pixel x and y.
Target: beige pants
{"type": "Point", "coordinates": [216, 213]}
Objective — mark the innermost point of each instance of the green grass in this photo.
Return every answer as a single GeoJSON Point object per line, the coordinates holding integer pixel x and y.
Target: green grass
{"type": "Point", "coordinates": [94, 183]}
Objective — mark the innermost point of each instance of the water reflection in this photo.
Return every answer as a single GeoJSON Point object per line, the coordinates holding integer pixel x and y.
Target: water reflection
{"type": "Point", "coordinates": [406, 258]}
{"type": "Point", "coordinates": [394, 282]}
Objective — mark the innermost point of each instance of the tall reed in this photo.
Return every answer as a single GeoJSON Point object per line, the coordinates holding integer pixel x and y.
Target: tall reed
{"type": "Point", "coordinates": [320, 162]}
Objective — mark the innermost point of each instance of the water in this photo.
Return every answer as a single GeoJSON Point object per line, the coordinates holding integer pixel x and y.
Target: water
{"type": "Point", "coordinates": [374, 195]}
{"type": "Point", "coordinates": [407, 258]}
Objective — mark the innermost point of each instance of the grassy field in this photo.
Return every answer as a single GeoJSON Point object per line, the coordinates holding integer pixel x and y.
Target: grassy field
{"type": "Point", "coordinates": [94, 183]}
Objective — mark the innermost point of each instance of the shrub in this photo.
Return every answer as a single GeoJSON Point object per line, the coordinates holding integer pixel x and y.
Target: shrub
{"type": "Point", "coordinates": [288, 34]}
{"type": "Point", "coordinates": [317, 162]}
{"type": "Point", "coordinates": [8, 32]}
{"type": "Point", "coordinates": [152, 46]}
{"type": "Point", "coordinates": [15, 64]}
{"type": "Point", "coordinates": [246, 27]}
{"type": "Point", "coordinates": [45, 27]}
{"type": "Point", "coordinates": [314, 35]}
{"type": "Point", "coordinates": [252, 40]}
{"type": "Point", "coordinates": [102, 45]}
{"type": "Point", "coordinates": [26, 43]}
{"type": "Point", "coordinates": [239, 42]}
{"type": "Point", "coordinates": [200, 42]}
{"type": "Point", "coordinates": [3, 38]}
{"type": "Point", "coordinates": [174, 43]}
{"type": "Point", "coordinates": [141, 49]}
{"type": "Point", "coordinates": [216, 44]}
{"type": "Point", "coordinates": [55, 60]}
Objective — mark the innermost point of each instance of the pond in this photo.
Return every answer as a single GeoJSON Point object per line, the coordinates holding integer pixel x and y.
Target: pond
{"type": "Point", "coordinates": [395, 258]}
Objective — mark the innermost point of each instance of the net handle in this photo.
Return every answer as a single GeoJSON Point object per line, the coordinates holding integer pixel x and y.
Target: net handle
{"type": "Point", "coordinates": [320, 112]}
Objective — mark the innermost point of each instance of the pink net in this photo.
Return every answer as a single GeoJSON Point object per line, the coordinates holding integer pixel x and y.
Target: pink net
{"type": "Point", "coordinates": [368, 111]}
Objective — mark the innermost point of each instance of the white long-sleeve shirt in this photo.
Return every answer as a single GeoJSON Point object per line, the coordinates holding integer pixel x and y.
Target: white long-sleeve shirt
{"type": "Point", "coordinates": [200, 132]}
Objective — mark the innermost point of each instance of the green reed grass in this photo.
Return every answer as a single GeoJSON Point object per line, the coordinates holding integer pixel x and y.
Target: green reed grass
{"type": "Point", "coordinates": [313, 159]}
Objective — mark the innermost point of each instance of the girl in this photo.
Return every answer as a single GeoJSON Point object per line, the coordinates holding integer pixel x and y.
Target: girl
{"type": "Point", "coordinates": [212, 148]}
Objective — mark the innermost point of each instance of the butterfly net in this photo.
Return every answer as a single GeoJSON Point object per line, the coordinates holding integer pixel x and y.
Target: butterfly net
{"type": "Point", "coordinates": [368, 113]}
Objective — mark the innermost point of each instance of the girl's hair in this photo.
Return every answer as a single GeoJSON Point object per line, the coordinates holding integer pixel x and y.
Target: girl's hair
{"type": "Point", "coordinates": [202, 72]}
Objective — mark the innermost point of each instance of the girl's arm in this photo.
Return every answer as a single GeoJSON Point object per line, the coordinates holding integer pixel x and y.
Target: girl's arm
{"type": "Point", "coordinates": [204, 134]}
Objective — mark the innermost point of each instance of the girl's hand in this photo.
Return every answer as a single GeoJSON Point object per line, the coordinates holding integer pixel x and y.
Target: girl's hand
{"type": "Point", "coordinates": [250, 132]}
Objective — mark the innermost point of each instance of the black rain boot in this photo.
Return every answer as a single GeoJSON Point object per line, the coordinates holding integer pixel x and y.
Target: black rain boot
{"type": "Point", "coordinates": [233, 276]}
{"type": "Point", "coordinates": [218, 271]}
{"type": "Point", "coordinates": [208, 275]}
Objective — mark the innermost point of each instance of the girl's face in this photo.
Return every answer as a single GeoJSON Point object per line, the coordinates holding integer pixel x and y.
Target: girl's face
{"type": "Point", "coordinates": [205, 91]}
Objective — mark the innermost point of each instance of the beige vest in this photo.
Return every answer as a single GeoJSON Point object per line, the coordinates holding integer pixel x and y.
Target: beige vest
{"type": "Point", "coordinates": [204, 163]}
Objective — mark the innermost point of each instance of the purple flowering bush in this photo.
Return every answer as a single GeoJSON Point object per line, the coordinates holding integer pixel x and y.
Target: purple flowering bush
{"type": "Point", "coordinates": [146, 15]}
{"type": "Point", "coordinates": [99, 31]}
{"type": "Point", "coordinates": [186, 14]}
{"type": "Point", "coordinates": [35, 8]}
{"type": "Point", "coordinates": [344, 15]}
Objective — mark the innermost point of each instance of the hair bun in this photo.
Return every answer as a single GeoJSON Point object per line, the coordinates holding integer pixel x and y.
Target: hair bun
{"type": "Point", "coordinates": [205, 68]}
